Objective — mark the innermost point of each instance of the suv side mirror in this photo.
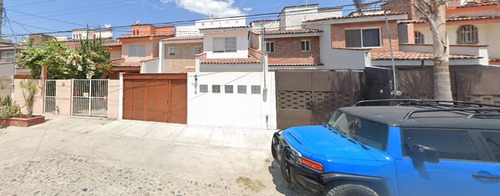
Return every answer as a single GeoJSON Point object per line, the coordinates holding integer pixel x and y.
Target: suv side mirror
{"type": "Point", "coordinates": [420, 154]}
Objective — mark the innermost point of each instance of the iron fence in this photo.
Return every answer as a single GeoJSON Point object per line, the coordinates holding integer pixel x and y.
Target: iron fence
{"type": "Point", "coordinates": [50, 96]}
{"type": "Point", "coordinates": [90, 97]}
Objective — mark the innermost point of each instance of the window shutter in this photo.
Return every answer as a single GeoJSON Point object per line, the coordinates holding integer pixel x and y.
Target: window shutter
{"type": "Point", "coordinates": [353, 38]}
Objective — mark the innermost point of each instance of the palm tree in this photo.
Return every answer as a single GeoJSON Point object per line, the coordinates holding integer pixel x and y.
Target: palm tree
{"type": "Point", "coordinates": [434, 12]}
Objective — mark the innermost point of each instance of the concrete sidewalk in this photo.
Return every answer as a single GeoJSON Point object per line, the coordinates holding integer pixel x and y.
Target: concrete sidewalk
{"type": "Point", "coordinates": [106, 157]}
{"type": "Point", "coordinates": [191, 134]}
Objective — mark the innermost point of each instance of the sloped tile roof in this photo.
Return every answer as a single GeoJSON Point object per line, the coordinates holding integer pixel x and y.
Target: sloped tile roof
{"type": "Point", "coordinates": [478, 4]}
{"type": "Point", "coordinates": [113, 44]}
{"type": "Point", "coordinates": [296, 64]}
{"type": "Point", "coordinates": [459, 18]}
{"type": "Point", "coordinates": [188, 69]}
{"type": "Point", "coordinates": [403, 55]}
{"type": "Point", "coordinates": [291, 31]}
{"type": "Point", "coordinates": [249, 60]}
{"type": "Point", "coordinates": [355, 16]}
{"type": "Point", "coordinates": [183, 38]}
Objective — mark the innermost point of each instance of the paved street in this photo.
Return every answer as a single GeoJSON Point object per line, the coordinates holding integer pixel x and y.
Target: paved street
{"type": "Point", "coordinates": [90, 156]}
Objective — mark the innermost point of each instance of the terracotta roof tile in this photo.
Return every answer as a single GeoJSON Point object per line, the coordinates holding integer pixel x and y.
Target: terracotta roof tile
{"type": "Point", "coordinates": [291, 31]}
{"type": "Point", "coordinates": [234, 27]}
{"type": "Point", "coordinates": [459, 18]}
{"type": "Point", "coordinates": [403, 55]}
{"type": "Point", "coordinates": [296, 64]}
{"type": "Point", "coordinates": [127, 64]}
{"type": "Point", "coordinates": [183, 38]}
{"type": "Point", "coordinates": [188, 69]}
{"type": "Point", "coordinates": [477, 4]}
{"type": "Point", "coordinates": [113, 44]}
{"type": "Point", "coordinates": [249, 60]}
{"type": "Point", "coordinates": [357, 16]}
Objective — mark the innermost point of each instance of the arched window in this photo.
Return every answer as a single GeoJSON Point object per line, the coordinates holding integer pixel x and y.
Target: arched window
{"type": "Point", "coordinates": [467, 34]}
{"type": "Point", "coordinates": [419, 38]}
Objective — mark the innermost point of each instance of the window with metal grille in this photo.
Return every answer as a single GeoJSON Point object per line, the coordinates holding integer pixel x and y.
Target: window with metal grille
{"type": "Point", "coordinates": [269, 46]}
{"type": "Point", "coordinates": [171, 51]}
{"type": "Point", "coordinates": [137, 50]}
{"type": "Point", "coordinates": [419, 38]}
{"type": "Point", "coordinates": [361, 38]}
{"type": "Point", "coordinates": [242, 89]}
{"type": "Point", "coordinates": [305, 45]}
{"type": "Point", "coordinates": [468, 34]}
{"type": "Point", "coordinates": [197, 49]}
{"type": "Point", "coordinates": [255, 89]}
{"type": "Point", "coordinates": [7, 56]}
{"type": "Point", "coordinates": [228, 89]}
{"type": "Point", "coordinates": [203, 88]}
{"type": "Point", "coordinates": [225, 44]}
{"type": "Point", "coordinates": [215, 88]}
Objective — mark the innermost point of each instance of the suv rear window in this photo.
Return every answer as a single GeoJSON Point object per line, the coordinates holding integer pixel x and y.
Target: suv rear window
{"type": "Point", "coordinates": [368, 132]}
{"type": "Point", "coordinates": [493, 139]}
{"type": "Point", "coordinates": [450, 144]}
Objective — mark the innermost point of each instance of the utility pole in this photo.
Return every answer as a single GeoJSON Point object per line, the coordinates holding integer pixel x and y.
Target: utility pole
{"type": "Point", "coordinates": [1, 18]}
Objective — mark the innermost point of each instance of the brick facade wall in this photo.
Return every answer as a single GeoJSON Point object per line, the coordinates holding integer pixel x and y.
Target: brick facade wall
{"type": "Point", "coordinates": [403, 6]}
{"type": "Point", "coordinates": [338, 34]}
{"type": "Point", "coordinates": [288, 51]}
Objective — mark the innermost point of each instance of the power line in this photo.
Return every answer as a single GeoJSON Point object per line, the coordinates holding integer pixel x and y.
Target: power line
{"type": "Point", "coordinates": [61, 21]}
{"type": "Point", "coordinates": [220, 19]}
{"type": "Point", "coordinates": [32, 3]}
{"type": "Point", "coordinates": [71, 11]}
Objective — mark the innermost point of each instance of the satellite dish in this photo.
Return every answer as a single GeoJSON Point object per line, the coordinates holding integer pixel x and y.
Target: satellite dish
{"type": "Point", "coordinates": [107, 25]}
{"type": "Point", "coordinates": [137, 22]}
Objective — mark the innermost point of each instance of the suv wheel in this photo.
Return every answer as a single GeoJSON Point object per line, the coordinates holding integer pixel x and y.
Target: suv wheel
{"type": "Point", "coordinates": [350, 189]}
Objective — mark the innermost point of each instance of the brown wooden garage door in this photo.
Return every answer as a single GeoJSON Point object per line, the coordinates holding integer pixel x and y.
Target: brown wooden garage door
{"type": "Point", "coordinates": [155, 97]}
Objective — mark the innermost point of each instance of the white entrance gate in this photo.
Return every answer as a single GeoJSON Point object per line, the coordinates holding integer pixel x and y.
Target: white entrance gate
{"type": "Point", "coordinates": [90, 97]}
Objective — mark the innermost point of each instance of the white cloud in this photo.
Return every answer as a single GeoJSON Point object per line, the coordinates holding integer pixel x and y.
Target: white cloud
{"type": "Point", "coordinates": [247, 9]}
{"type": "Point", "coordinates": [220, 8]}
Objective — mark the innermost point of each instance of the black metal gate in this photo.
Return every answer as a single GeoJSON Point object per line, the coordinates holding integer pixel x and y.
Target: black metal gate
{"type": "Point", "coordinates": [307, 98]}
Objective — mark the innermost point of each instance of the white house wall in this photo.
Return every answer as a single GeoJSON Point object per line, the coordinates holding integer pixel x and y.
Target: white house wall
{"type": "Point", "coordinates": [232, 110]}
{"type": "Point", "coordinates": [241, 45]}
{"type": "Point", "coordinates": [488, 34]}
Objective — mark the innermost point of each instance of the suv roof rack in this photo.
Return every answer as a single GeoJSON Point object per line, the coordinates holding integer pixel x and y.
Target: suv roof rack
{"type": "Point", "coordinates": [426, 102]}
{"type": "Point", "coordinates": [464, 111]}
{"type": "Point", "coordinates": [469, 109]}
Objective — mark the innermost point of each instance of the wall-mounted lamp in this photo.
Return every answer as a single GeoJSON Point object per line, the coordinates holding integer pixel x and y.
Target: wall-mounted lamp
{"type": "Point", "coordinates": [63, 84]}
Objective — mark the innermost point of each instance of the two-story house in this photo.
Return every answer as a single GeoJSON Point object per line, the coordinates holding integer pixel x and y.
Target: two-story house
{"type": "Point", "coordinates": [139, 51]}
{"type": "Point", "coordinates": [471, 25]}
{"type": "Point", "coordinates": [7, 66]}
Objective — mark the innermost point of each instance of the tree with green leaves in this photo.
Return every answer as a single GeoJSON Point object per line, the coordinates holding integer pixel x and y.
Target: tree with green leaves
{"type": "Point", "coordinates": [91, 60]}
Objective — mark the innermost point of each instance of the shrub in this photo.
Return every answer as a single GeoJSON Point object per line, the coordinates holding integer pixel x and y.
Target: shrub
{"type": "Point", "coordinates": [8, 109]}
{"type": "Point", "coordinates": [30, 89]}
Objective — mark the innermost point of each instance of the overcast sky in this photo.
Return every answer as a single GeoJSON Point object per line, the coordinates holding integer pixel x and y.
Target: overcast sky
{"type": "Point", "coordinates": [36, 16]}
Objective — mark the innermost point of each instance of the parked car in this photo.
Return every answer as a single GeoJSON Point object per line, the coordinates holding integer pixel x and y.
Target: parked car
{"type": "Point", "coordinates": [400, 147]}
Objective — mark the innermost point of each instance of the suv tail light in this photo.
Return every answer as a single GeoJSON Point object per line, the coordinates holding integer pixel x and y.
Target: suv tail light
{"type": "Point", "coordinates": [312, 164]}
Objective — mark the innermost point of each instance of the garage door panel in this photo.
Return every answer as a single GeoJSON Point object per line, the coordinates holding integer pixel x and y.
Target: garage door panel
{"type": "Point", "coordinates": [155, 97]}
{"type": "Point", "coordinates": [179, 105]}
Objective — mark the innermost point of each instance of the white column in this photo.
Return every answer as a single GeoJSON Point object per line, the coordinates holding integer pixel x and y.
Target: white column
{"type": "Point", "coordinates": [120, 101]}
{"type": "Point", "coordinates": [161, 56]}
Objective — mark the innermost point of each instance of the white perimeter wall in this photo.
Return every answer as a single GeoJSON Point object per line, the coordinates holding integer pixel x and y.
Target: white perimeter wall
{"type": "Point", "coordinates": [232, 110]}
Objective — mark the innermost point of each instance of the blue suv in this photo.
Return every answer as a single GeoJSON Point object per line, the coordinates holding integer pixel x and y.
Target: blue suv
{"type": "Point", "coordinates": [396, 147]}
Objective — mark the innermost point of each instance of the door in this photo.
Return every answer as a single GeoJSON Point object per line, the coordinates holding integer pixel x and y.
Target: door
{"type": "Point", "coordinates": [462, 162]}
